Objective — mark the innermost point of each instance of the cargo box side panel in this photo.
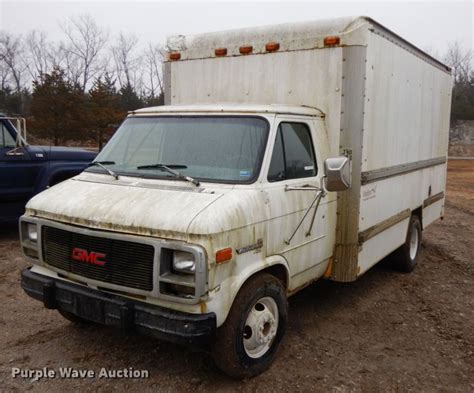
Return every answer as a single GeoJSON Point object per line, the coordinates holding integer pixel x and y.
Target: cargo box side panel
{"type": "Point", "coordinates": [346, 251]}
{"type": "Point", "coordinates": [405, 145]}
{"type": "Point", "coordinates": [407, 108]}
{"type": "Point", "coordinates": [306, 77]}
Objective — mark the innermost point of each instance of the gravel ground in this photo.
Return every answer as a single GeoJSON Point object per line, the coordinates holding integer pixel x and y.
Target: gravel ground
{"type": "Point", "coordinates": [385, 332]}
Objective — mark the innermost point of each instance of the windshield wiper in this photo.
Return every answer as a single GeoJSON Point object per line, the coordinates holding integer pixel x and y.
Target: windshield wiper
{"type": "Point", "coordinates": [161, 166]}
{"type": "Point", "coordinates": [103, 164]}
{"type": "Point", "coordinates": [168, 168]}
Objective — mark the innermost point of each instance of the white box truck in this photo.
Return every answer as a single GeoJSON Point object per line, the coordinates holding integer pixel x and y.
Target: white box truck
{"type": "Point", "coordinates": [284, 154]}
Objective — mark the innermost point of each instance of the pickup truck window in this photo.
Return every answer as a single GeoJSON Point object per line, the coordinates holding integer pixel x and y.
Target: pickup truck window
{"type": "Point", "coordinates": [7, 139]}
{"type": "Point", "coordinates": [208, 148]}
{"type": "Point", "coordinates": [293, 154]}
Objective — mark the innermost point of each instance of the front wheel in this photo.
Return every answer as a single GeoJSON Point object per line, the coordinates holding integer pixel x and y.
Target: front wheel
{"type": "Point", "coordinates": [247, 342]}
{"type": "Point", "coordinates": [407, 254]}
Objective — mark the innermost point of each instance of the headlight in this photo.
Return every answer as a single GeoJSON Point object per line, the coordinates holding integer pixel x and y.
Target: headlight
{"type": "Point", "coordinates": [32, 232]}
{"type": "Point", "coordinates": [183, 262]}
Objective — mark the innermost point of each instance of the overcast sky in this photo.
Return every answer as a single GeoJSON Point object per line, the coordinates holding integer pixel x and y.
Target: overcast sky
{"type": "Point", "coordinates": [427, 24]}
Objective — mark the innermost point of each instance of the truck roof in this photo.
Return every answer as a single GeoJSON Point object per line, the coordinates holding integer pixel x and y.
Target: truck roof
{"type": "Point", "coordinates": [231, 108]}
{"type": "Point", "coordinates": [290, 36]}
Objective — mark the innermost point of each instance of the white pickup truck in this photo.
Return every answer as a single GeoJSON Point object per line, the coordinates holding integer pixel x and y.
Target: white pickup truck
{"type": "Point", "coordinates": [284, 154]}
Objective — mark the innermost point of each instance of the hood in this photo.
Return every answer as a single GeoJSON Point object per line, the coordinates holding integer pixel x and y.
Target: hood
{"type": "Point", "coordinates": [167, 209]}
{"type": "Point", "coordinates": [63, 153]}
{"type": "Point", "coordinates": [132, 205]}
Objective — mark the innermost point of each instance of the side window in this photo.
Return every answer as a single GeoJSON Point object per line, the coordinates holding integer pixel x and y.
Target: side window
{"type": "Point", "coordinates": [277, 165]}
{"type": "Point", "coordinates": [293, 154]}
{"type": "Point", "coordinates": [6, 138]}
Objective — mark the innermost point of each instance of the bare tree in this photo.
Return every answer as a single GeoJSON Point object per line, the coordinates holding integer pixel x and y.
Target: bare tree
{"type": "Point", "coordinates": [4, 75]}
{"type": "Point", "coordinates": [460, 59]}
{"type": "Point", "coordinates": [64, 59]}
{"type": "Point", "coordinates": [126, 61]}
{"type": "Point", "coordinates": [39, 58]}
{"type": "Point", "coordinates": [11, 51]}
{"type": "Point", "coordinates": [85, 41]}
{"type": "Point", "coordinates": [153, 60]}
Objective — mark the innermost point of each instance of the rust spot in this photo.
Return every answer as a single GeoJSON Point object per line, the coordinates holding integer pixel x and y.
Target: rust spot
{"type": "Point", "coordinates": [328, 272]}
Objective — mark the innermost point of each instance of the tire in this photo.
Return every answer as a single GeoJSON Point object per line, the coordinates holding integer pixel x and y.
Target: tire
{"type": "Point", "coordinates": [406, 257]}
{"type": "Point", "coordinates": [74, 318]}
{"type": "Point", "coordinates": [248, 341]}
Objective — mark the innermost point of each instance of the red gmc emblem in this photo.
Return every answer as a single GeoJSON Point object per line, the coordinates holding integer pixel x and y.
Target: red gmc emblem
{"type": "Point", "coordinates": [93, 258]}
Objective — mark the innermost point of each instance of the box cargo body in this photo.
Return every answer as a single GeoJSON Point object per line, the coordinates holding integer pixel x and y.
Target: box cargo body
{"type": "Point", "coordinates": [386, 105]}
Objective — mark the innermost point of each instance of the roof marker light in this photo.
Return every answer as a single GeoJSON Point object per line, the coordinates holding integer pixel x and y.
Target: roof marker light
{"type": "Point", "coordinates": [245, 50]}
{"type": "Point", "coordinates": [220, 51]}
{"type": "Point", "coordinates": [331, 40]}
{"type": "Point", "coordinates": [175, 56]}
{"type": "Point", "coordinates": [272, 46]}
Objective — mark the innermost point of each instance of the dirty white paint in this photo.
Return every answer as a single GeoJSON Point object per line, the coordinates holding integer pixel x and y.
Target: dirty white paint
{"type": "Point", "coordinates": [404, 119]}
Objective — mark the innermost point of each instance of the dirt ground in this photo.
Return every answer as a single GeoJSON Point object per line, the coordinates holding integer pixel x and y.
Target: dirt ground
{"type": "Point", "coordinates": [386, 332]}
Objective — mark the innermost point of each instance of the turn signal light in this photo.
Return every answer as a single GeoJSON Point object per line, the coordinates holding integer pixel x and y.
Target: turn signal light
{"type": "Point", "coordinates": [245, 50]}
{"type": "Point", "coordinates": [175, 56]}
{"type": "Point", "coordinates": [331, 40]}
{"type": "Point", "coordinates": [272, 46]}
{"type": "Point", "coordinates": [224, 255]}
{"type": "Point", "coordinates": [220, 51]}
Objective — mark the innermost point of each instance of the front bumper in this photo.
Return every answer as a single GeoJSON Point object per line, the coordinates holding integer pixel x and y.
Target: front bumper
{"type": "Point", "coordinates": [131, 316]}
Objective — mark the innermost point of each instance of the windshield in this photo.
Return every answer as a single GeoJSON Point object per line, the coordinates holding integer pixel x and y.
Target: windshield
{"type": "Point", "coordinates": [220, 149]}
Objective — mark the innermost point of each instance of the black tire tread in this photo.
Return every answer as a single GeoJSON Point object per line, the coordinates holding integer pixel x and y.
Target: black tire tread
{"type": "Point", "coordinates": [224, 350]}
{"type": "Point", "coordinates": [403, 262]}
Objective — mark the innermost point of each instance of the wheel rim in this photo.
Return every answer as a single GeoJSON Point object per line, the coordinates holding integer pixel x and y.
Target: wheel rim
{"type": "Point", "coordinates": [260, 327]}
{"type": "Point", "coordinates": [413, 244]}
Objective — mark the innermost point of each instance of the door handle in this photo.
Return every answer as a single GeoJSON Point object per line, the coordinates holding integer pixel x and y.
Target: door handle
{"type": "Point", "coordinates": [306, 187]}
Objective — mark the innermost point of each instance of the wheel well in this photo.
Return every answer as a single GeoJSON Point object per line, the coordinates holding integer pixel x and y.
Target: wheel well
{"type": "Point", "coordinates": [277, 271]}
{"type": "Point", "coordinates": [419, 213]}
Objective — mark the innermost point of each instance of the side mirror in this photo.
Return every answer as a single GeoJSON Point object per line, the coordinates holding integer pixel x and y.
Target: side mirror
{"type": "Point", "coordinates": [338, 173]}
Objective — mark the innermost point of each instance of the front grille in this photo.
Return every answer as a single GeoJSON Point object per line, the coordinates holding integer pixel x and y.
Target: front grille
{"type": "Point", "coordinates": [126, 263]}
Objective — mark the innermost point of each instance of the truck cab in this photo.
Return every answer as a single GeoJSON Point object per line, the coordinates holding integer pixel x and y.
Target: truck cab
{"type": "Point", "coordinates": [26, 170]}
{"type": "Point", "coordinates": [202, 198]}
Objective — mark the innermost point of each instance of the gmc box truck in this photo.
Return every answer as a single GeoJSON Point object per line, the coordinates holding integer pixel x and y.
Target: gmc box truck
{"type": "Point", "coordinates": [284, 154]}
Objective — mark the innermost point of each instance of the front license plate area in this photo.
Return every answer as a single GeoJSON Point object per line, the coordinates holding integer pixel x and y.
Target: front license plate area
{"type": "Point", "coordinates": [90, 309]}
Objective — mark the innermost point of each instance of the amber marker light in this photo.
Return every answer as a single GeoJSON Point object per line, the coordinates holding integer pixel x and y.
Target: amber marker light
{"type": "Point", "coordinates": [220, 51]}
{"type": "Point", "coordinates": [272, 46]}
{"type": "Point", "coordinates": [224, 255]}
{"type": "Point", "coordinates": [175, 56]}
{"type": "Point", "coordinates": [245, 50]}
{"type": "Point", "coordinates": [331, 40]}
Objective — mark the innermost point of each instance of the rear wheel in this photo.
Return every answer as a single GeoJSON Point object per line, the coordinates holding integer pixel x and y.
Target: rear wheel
{"type": "Point", "coordinates": [249, 339]}
{"type": "Point", "coordinates": [407, 255]}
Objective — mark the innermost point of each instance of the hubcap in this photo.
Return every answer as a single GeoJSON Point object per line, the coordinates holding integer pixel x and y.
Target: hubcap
{"type": "Point", "coordinates": [261, 327]}
{"type": "Point", "coordinates": [413, 244]}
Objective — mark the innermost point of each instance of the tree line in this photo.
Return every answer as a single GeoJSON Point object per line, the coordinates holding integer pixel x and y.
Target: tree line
{"type": "Point", "coordinates": [81, 87]}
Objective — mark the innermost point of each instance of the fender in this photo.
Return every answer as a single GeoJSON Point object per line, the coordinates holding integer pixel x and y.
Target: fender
{"type": "Point", "coordinates": [224, 296]}
{"type": "Point", "coordinates": [56, 168]}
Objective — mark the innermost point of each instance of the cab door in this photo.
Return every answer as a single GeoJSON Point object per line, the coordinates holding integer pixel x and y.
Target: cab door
{"type": "Point", "coordinates": [297, 226]}
{"type": "Point", "coordinates": [18, 174]}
